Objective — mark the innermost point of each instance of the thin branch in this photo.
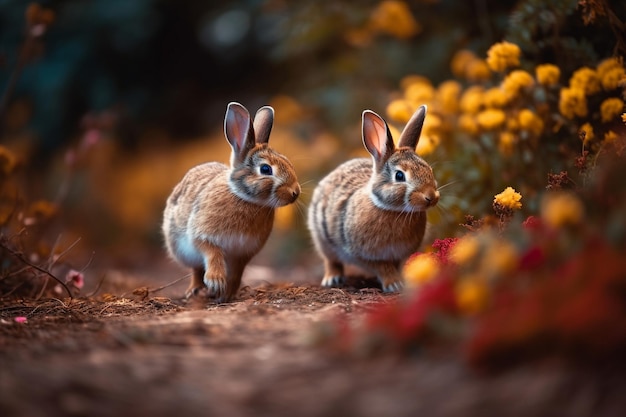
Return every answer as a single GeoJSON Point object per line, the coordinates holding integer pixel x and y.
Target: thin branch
{"type": "Point", "coordinates": [21, 258]}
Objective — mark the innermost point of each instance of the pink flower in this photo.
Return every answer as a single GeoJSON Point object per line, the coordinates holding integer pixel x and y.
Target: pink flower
{"type": "Point", "coordinates": [75, 278]}
{"type": "Point", "coordinates": [21, 319]}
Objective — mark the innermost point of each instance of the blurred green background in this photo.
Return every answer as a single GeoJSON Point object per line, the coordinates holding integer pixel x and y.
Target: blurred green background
{"type": "Point", "coordinates": [106, 103]}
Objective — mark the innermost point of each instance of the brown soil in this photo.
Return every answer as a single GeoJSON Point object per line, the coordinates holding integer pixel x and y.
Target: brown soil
{"type": "Point", "coordinates": [147, 353]}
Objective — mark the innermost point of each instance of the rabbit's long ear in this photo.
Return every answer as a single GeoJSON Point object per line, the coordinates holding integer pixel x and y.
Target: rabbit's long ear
{"type": "Point", "coordinates": [411, 134]}
{"type": "Point", "coordinates": [238, 130]}
{"type": "Point", "coordinates": [377, 137]}
{"type": "Point", "coordinates": [263, 122]}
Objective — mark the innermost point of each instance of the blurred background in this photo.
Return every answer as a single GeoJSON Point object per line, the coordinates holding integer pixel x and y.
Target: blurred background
{"type": "Point", "coordinates": [105, 104]}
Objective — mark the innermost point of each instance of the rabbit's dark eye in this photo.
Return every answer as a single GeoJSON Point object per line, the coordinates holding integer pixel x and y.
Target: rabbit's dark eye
{"type": "Point", "coordinates": [265, 169]}
{"type": "Point", "coordinates": [400, 176]}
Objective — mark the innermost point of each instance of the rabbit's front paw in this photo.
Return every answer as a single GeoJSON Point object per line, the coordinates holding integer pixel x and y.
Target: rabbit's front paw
{"type": "Point", "coordinates": [333, 281]}
{"type": "Point", "coordinates": [217, 287]}
{"type": "Point", "coordinates": [392, 285]}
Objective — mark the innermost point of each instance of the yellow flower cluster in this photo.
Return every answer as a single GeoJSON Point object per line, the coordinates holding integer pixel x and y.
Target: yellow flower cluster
{"type": "Point", "coordinates": [530, 122]}
{"type": "Point", "coordinates": [561, 209]}
{"type": "Point", "coordinates": [610, 136]}
{"type": "Point", "coordinates": [472, 294]}
{"type": "Point", "coordinates": [611, 72]}
{"type": "Point", "coordinates": [394, 17]}
{"type": "Point", "coordinates": [481, 258]}
{"type": "Point", "coordinates": [491, 119]}
{"type": "Point", "coordinates": [506, 143]}
{"type": "Point", "coordinates": [573, 102]}
{"type": "Point", "coordinates": [515, 82]}
{"type": "Point", "coordinates": [585, 79]}
{"type": "Point", "coordinates": [587, 129]}
{"type": "Point", "coordinates": [417, 91]}
{"type": "Point", "coordinates": [588, 81]}
{"type": "Point", "coordinates": [420, 269]}
{"type": "Point", "coordinates": [509, 198]}
{"type": "Point", "coordinates": [611, 108]}
{"type": "Point", "coordinates": [503, 55]}
{"type": "Point", "coordinates": [548, 74]}
{"type": "Point", "coordinates": [517, 111]}
{"type": "Point", "coordinates": [466, 65]}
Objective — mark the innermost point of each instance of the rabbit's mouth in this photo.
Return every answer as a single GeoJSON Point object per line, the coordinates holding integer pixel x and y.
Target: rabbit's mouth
{"type": "Point", "coordinates": [424, 200]}
{"type": "Point", "coordinates": [286, 195]}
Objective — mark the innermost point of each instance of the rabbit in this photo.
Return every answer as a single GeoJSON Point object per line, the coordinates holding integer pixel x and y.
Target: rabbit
{"type": "Point", "coordinates": [218, 217]}
{"type": "Point", "coordinates": [372, 213]}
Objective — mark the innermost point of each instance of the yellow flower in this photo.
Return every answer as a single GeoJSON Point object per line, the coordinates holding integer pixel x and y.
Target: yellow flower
{"type": "Point", "coordinates": [512, 124]}
{"type": "Point", "coordinates": [427, 144]}
{"type": "Point", "coordinates": [461, 61]}
{"type": "Point", "coordinates": [588, 131]}
{"type": "Point", "coordinates": [509, 198]}
{"type": "Point", "coordinates": [432, 123]}
{"type": "Point", "coordinates": [472, 294]}
{"type": "Point", "coordinates": [530, 122]}
{"type": "Point", "coordinates": [420, 269]}
{"type": "Point", "coordinates": [399, 111]}
{"type": "Point", "coordinates": [572, 102]}
{"type": "Point", "coordinates": [472, 99]}
{"type": "Point", "coordinates": [494, 97]}
{"type": "Point", "coordinates": [491, 119]}
{"type": "Point", "coordinates": [612, 78]}
{"type": "Point", "coordinates": [464, 250]}
{"type": "Point", "coordinates": [516, 81]}
{"type": "Point", "coordinates": [419, 93]}
{"type": "Point", "coordinates": [448, 96]}
{"type": "Point", "coordinates": [394, 18]}
{"type": "Point", "coordinates": [608, 65]}
{"type": "Point", "coordinates": [548, 74]}
{"type": "Point", "coordinates": [585, 79]}
{"type": "Point", "coordinates": [503, 55]}
{"type": "Point", "coordinates": [467, 123]}
{"type": "Point", "coordinates": [506, 143]}
{"type": "Point", "coordinates": [477, 70]}
{"type": "Point", "coordinates": [610, 137]}
{"type": "Point", "coordinates": [409, 80]}
{"type": "Point", "coordinates": [500, 258]}
{"type": "Point", "coordinates": [561, 209]}
{"type": "Point", "coordinates": [610, 108]}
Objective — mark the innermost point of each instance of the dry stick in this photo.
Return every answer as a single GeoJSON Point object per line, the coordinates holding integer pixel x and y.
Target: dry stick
{"type": "Point", "coordinates": [160, 288]}
{"type": "Point", "coordinates": [98, 286]}
{"type": "Point", "coordinates": [170, 284]}
{"type": "Point", "coordinates": [38, 268]}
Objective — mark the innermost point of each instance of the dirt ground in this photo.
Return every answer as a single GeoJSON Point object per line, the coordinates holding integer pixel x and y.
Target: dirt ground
{"type": "Point", "coordinates": [128, 350]}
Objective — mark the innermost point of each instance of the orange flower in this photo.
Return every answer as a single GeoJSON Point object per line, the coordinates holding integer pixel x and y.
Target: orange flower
{"type": "Point", "coordinates": [503, 55]}
{"type": "Point", "coordinates": [548, 74]}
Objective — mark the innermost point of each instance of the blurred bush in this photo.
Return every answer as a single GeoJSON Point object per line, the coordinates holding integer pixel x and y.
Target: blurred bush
{"type": "Point", "coordinates": [108, 103]}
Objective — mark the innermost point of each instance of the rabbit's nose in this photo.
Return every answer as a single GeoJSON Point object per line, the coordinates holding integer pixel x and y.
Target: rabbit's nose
{"type": "Point", "coordinates": [432, 198]}
{"type": "Point", "coordinates": [296, 192]}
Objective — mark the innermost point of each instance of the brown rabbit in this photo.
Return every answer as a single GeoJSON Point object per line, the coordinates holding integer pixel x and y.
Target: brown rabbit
{"type": "Point", "coordinates": [372, 213]}
{"type": "Point", "coordinates": [218, 217]}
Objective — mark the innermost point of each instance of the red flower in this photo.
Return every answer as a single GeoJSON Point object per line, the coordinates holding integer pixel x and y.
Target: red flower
{"type": "Point", "coordinates": [443, 247]}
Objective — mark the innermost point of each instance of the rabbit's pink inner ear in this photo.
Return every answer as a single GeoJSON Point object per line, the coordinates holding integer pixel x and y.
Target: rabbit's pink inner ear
{"type": "Point", "coordinates": [376, 136]}
{"type": "Point", "coordinates": [237, 126]}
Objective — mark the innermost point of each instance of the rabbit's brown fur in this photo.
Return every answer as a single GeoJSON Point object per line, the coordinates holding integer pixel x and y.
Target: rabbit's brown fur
{"type": "Point", "coordinates": [218, 217]}
{"type": "Point", "coordinates": [362, 214]}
